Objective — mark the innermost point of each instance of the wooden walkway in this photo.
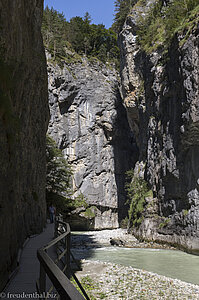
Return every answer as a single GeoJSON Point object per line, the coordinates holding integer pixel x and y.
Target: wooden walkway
{"type": "Point", "coordinates": [24, 282]}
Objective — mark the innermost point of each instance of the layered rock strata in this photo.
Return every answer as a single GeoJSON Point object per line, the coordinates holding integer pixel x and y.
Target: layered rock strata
{"type": "Point", "coordinates": [88, 122]}
{"type": "Point", "coordinates": [23, 123]}
{"type": "Point", "coordinates": [162, 102]}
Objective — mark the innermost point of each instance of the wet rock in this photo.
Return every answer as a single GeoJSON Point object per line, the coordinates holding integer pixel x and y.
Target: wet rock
{"type": "Point", "coordinates": [116, 242]}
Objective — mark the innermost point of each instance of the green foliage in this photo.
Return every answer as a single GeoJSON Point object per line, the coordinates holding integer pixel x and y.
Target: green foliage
{"type": "Point", "coordinates": [124, 223]}
{"type": "Point", "coordinates": [79, 201]}
{"type": "Point", "coordinates": [78, 35]}
{"type": "Point", "coordinates": [137, 190]}
{"type": "Point", "coordinates": [164, 223]}
{"type": "Point", "coordinates": [162, 22]}
{"type": "Point", "coordinates": [90, 212]}
{"type": "Point", "coordinates": [122, 9]}
{"type": "Point", "coordinates": [185, 212]}
{"type": "Point", "coordinates": [58, 180]}
{"type": "Point", "coordinates": [53, 30]}
{"type": "Point", "coordinates": [91, 287]}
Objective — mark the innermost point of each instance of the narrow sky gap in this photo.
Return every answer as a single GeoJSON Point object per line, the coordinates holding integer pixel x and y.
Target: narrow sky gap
{"type": "Point", "coordinates": [102, 12]}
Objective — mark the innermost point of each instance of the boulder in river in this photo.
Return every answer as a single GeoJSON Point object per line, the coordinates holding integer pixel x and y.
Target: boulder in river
{"type": "Point", "coordinates": [116, 242]}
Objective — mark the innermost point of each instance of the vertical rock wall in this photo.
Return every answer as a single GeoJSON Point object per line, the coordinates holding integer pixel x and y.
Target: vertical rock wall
{"type": "Point", "coordinates": [162, 104]}
{"type": "Point", "coordinates": [88, 122]}
{"type": "Point", "coordinates": [23, 124]}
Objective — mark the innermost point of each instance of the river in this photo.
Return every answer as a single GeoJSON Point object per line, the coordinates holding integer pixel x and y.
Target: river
{"type": "Point", "coordinates": [170, 263]}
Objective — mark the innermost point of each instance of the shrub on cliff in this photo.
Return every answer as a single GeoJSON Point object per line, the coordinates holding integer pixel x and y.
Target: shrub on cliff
{"type": "Point", "coordinates": [137, 191]}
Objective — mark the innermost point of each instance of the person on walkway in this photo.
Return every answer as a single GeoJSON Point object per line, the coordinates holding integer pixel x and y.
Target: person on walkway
{"type": "Point", "coordinates": [52, 212]}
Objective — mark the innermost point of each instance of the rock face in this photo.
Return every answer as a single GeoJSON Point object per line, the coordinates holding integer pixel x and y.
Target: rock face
{"type": "Point", "coordinates": [162, 102]}
{"type": "Point", "coordinates": [88, 122]}
{"type": "Point", "coordinates": [23, 124]}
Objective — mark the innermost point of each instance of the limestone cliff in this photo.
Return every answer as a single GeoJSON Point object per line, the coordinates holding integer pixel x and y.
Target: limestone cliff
{"type": "Point", "coordinates": [23, 124]}
{"type": "Point", "coordinates": [162, 103]}
{"type": "Point", "coordinates": [88, 122]}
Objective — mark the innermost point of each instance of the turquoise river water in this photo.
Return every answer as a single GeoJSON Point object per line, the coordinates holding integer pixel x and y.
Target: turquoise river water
{"type": "Point", "coordinates": [170, 263]}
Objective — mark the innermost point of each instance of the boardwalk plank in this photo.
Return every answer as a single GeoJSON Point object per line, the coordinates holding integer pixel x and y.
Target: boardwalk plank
{"type": "Point", "coordinates": [25, 278]}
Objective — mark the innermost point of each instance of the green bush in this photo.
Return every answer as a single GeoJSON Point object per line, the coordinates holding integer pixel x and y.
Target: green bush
{"type": "Point", "coordinates": [185, 212]}
{"type": "Point", "coordinates": [90, 212]}
{"type": "Point", "coordinates": [79, 201]}
{"type": "Point", "coordinates": [137, 191]}
{"type": "Point", "coordinates": [165, 222]}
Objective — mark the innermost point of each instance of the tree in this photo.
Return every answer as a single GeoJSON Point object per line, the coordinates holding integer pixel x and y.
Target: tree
{"type": "Point", "coordinates": [53, 30]}
{"type": "Point", "coordinates": [58, 179]}
{"type": "Point", "coordinates": [122, 9]}
{"type": "Point", "coordinates": [87, 21]}
{"type": "Point", "coordinates": [79, 35]}
{"type": "Point", "coordinates": [76, 35]}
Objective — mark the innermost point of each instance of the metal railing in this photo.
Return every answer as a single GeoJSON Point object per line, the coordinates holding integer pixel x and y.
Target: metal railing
{"type": "Point", "coordinates": [59, 271]}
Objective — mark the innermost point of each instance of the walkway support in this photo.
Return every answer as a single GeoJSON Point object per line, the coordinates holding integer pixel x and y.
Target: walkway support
{"type": "Point", "coordinates": [59, 271]}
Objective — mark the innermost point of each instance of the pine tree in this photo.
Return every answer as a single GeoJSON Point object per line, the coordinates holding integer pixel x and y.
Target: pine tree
{"type": "Point", "coordinates": [79, 35]}
{"type": "Point", "coordinates": [53, 31]}
{"type": "Point", "coordinates": [122, 9]}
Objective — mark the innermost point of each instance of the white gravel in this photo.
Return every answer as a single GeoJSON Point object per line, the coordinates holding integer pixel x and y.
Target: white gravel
{"type": "Point", "coordinates": [115, 282]}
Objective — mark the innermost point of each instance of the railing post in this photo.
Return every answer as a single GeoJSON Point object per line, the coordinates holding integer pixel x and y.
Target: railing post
{"type": "Point", "coordinates": [42, 280]}
{"type": "Point", "coordinates": [67, 256]}
{"type": "Point", "coordinates": [56, 227]}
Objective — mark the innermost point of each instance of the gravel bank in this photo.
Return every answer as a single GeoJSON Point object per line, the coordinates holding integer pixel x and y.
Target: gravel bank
{"type": "Point", "coordinates": [115, 282]}
{"type": "Point", "coordinates": [102, 238]}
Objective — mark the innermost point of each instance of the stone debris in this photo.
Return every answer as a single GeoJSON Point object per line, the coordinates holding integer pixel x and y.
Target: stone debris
{"type": "Point", "coordinates": [115, 282]}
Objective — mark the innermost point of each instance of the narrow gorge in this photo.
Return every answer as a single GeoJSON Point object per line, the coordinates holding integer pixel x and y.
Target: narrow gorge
{"type": "Point", "coordinates": [159, 89]}
{"type": "Point", "coordinates": [143, 118]}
